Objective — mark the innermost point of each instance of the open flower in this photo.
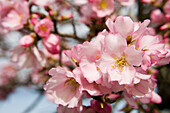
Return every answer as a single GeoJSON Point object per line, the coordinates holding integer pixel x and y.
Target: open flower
{"type": "Point", "coordinates": [43, 27]}
{"type": "Point", "coordinates": [118, 60]}
{"type": "Point", "coordinates": [12, 17]}
{"type": "Point", "coordinates": [63, 87]}
{"type": "Point", "coordinates": [103, 7]}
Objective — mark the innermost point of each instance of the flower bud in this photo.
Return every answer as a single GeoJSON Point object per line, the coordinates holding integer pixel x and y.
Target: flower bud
{"type": "Point", "coordinates": [43, 27]}
{"type": "Point", "coordinates": [110, 98]}
{"type": "Point", "coordinates": [52, 43]}
{"type": "Point", "coordinates": [26, 41]}
{"type": "Point", "coordinates": [157, 17]}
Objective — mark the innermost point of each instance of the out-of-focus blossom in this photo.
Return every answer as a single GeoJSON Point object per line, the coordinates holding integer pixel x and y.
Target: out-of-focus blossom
{"type": "Point", "coordinates": [51, 43]}
{"type": "Point", "coordinates": [157, 17]}
{"type": "Point", "coordinates": [43, 3]}
{"type": "Point", "coordinates": [26, 41]}
{"type": "Point", "coordinates": [167, 7]}
{"type": "Point", "coordinates": [43, 27]}
{"type": "Point", "coordinates": [8, 72]}
{"type": "Point", "coordinates": [103, 7]}
{"type": "Point", "coordinates": [28, 57]}
{"type": "Point", "coordinates": [11, 16]}
{"type": "Point", "coordinates": [87, 14]}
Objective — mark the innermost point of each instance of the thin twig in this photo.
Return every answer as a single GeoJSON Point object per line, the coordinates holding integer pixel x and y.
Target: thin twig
{"type": "Point", "coordinates": [34, 104]}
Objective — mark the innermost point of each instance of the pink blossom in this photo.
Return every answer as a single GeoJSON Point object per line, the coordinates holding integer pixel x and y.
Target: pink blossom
{"type": "Point", "coordinates": [61, 84]}
{"type": "Point", "coordinates": [26, 41]}
{"type": "Point", "coordinates": [167, 7]}
{"type": "Point", "coordinates": [126, 2]}
{"type": "Point", "coordinates": [28, 57]}
{"type": "Point", "coordinates": [127, 28]}
{"type": "Point", "coordinates": [157, 17]}
{"type": "Point", "coordinates": [51, 43]}
{"type": "Point", "coordinates": [43, 2]}
{"type": "Point", "coordinates": [153, 50]}
{"type": "Point", "coordinates": [87, 14]}
{"type": "Point", "coordinates": [93, 88]}
{"type": "Point", "coordinates": [43, 27]}
{"type": "Point", "coordinates": [12, 17]}
{"type": "Point", "coordinates": [103, 7]}
{"type": "Point", "coordinates": [118, 60]}
{"type": "Point", "coordinates": [8, 72]}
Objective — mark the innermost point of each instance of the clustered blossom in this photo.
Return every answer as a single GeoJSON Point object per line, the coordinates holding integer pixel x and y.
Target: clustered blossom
{"type": "Point", "coordinates": [116, 61]}
{"type": "Point", "coordinates": [99, 8]}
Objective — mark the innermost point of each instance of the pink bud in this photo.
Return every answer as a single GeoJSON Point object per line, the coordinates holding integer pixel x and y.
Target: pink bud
{"type": "Point", "coordinates": [43, 27]}
{"type": "Point", "coordinates": [52, 43]}
{"type": "Point", "coordinates": [165, 26]}
{"type": "Point", "coordinates": [101, 107]}
{"type": "Point", "coordinates": [111, 98]}
{"type": "Point", "coordinates": [146, 1]}
{"type": "Point", "coordinates": [157, 17]}
{"type": "Point", "coordinates": [26, 41]}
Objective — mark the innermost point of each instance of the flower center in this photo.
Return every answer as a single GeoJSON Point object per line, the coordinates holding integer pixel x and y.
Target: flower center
{"type": "Point", "coordinates": [103, 4]}
{"type": "Point", "coordinates": [120, 63]}
{"type": "Point", "coordinates": [72, 83]}
{"type": "Point", "coordinates": [43, 28]}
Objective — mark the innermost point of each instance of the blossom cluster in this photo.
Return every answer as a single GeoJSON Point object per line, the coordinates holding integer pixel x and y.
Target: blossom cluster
{"type": "Point", "coordinates": [116, 61]}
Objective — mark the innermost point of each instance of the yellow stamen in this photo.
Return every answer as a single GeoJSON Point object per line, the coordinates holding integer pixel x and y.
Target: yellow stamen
{"type": "Point", "coordinates": [103, 4]}
{"type": "Point", "coordinates": [72, 83]}
{"type": "Point", "coordinates": [43, 28]}
{"type": "Point", "coordinates": [120, 63]}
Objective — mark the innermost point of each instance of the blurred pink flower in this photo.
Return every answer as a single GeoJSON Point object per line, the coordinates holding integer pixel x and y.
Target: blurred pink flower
{"type": "Point", "coordinates": [26, 40]}
{"type": "Point", "coordinates": [167, 7]}
{"type": "Point", "coordinates": [103, 7]}
{"type": "Point", "coordinates": [28, 57]}
{"type": "Point", "coordinates": [157, 17]}
{"type": "Point", "coordinates": [8, 73]}
{"type": "Point", "coordinates": [43, 27]}
{"type": "Point", "coordinates": [51, 43]}
{"type": "Point", "coordinates": [12, 17]}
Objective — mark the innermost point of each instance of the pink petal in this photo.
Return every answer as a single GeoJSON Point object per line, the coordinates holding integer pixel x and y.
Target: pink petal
{"type": "Point", "coordinates": [128, 74]}
{"type": "Point", "coordinates": [133, 56]}
{"type": "Point", "coordinates": [115, 44]}
{"type": "Point", "coordinates": [140, 30]}
{"type": "Point", "coordinates": [110, 25]}
{"type": "Point", "coordinates": [130, 100]}
{"type": "Point", "coordinates": [90, 72]}
{"type": "Point", "coordinates": [114, 74]}
{"type": "Point", "coordinates": [156, 98]}
{"type": "Point", "coordinates": [124, 26]}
